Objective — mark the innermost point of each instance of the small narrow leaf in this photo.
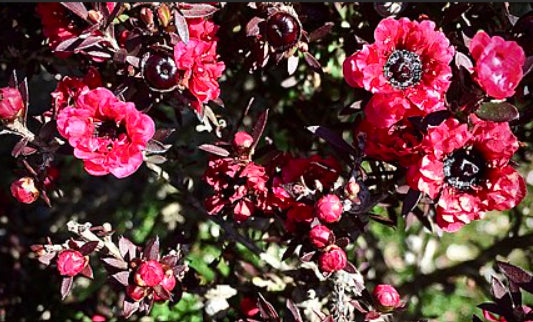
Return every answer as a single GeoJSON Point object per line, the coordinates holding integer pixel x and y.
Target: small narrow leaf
{"type": "Point", "coordinates": [259, 128]}
{"type": "Point", "coordinates": [88, 247]}
{"type": "Point", "coordinates": [122, 277]}
{"type": "Point", "coordinates": [410, 201]}
{"type": "Point", "coordinates": [198, 10]}
{"type": "Point", "coordinates": [116, 263]}
{"type": "Point", "coordinates": [498, 112]}
{"type": "Point", "coordinates": [312, 62]}
{"type": "Point", "coordinates": [294, 311]}
{"type": "Point", "coordinates": [130, 308]}
{"type": "Point", "coordinates": [181, 26]}
{"type": "Point", "coordinates": [213, 149]}
{"type": "Point", "coordinates": [66, 286]}
{"type": "Point", "coordinates": [151, 251]}
{"type": "Point", "coordinates": [87, 272]}
{"type": "Point", "coordinates": [332, 138]}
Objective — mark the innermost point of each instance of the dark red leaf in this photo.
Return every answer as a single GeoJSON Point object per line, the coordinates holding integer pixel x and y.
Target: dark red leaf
{"type": "Point", "coordinates": [294, 311]}
{"type": "Point", "coordinates": [88, 247]}
{"type": "Point", "coordinates": [321, 32]}
{"type": "Point", "coordinates": [259, 127]}
{"type": "Point", "coordinates": [154, 146]}
{"type": "Point", "coordinates": [350, 268]}
{"type": "Point", "coordinates": [46, 258]}
{"type": "Point", "coordinates": [312, 62]}
{"type": "Point", "coordinates": [114, 262]}
{"type": "Point", "coordinates": [181, 26]}
{"type": "Point", "coordinates": [66, 286]}
{"type": "Point", "coordinates": [198, 10]}
{"type": "Point", "coordinates": [87, 272]}
{"type": "Point", "coordinates": [19, 147]}
{"type": "Point", "coordinates": [213, 149]}
{"type": "Point", "coordinates": [130, 308]}
{"type": "Point", "coordinates": [156, 159]}
{"type": "Point", "coordinates": [252, 27]}
{"type": "Point", "coordinates": [125, 247]}
{"type": "Point", "coordinates": [498, 112]}
{"type": "Point", "coordinates": [333, 139]}
{"type": "Point", "coordinates": [151, 250]}
{"type": "Point", "coordinates": [266, 309]}
{"type": "Point", "coordinates": [410, 201]}
{"type": "Point", "coordinates": [122, 277]}
{"type": "Point", "coordinates": [78, 8]}
{"type": "Point", "coordinates": [307, 257]}
{"type": "Point", "coordinates": [522, 278]}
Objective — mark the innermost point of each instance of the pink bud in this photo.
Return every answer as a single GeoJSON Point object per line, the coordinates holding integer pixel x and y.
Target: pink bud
{"type": "Point", "coordinates": [71, 262]}
{"type": "Point", "coordinates": [332, 259]}
{"type": "Point", "coordinates": [169, 282]}
{"type": "Point", "coordinates": [329, 208]}
{"type": "Point", "coordinates": [242, 141]}
{"type": "Point", "coordinates": [386, 297]}
{"type": "Point", "coordinates": [243, 210]}
{"type": "Point", "coordinates": [249, 307]}
{"type": "Point", "coordinates": [136, 292]}
{"type": "Point", "coordinates": [320, 236]}
{"type": "Point", "coordinates": [98, 318]}
{"type": "Point", "coordinates": [24, 190]}
{"type": "Point", "coordinates": [150, 273]}
{"type": "Point", "coordinates": [11, 104]}
{"type": "Point", "coordinates": [352, 190]}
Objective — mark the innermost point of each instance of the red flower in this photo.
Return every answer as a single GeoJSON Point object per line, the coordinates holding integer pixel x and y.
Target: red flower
{"type": "Point", "coordinates": [468, 171]}
{"type": "Point", "coordinates": [136, 292]}
{"type": "Point", "coordinates": [106, 133]}
{"type": "Point", "coordinates": [297, 214]}
{"type": "Point", "coordinates": [325, 170]}
{"type": "Point", "coordinates": [385, 110]}
{"type": "Point", "coordinates": [408, 57]}
{"type": "Point", "coordinates": [386, 297]}
{"type": "Point", "coordinates": [57, 25]}
{"type": "Point", "coordinates": [11, 104]}
{"type": "Point", "coordinates": [24, 190]}
{"type": "Point", "coordinates": [332, 259]}
{"type": "Point", "coordinates": [202, 29]}
{"type": "Point", "coordinates": [198, 59]}
{"type": "Point", "coordinates": [320, 236]}
{"type": "Point", "coordinates": [71, 262]}
{"type": "Point", "coordinates": [69, 88]}
{"type": "Point", "coordinates": [149, 273]}
{"type": "Point", "coordinates": [498, 68]}
{"type": "Point", "coordinates": [329, 208]}
{"type": "Point", "coordinates": [398, 143]}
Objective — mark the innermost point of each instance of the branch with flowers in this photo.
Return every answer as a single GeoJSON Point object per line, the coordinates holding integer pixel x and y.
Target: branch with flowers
{"type": "Point", "coordinates": [176, 161]}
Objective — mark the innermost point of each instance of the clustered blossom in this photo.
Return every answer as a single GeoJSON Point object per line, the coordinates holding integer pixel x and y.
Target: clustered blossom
{"type": "Point", "coordinates": [467, 170]}
{"type": "Point", "coordinates": [408, 67]}
{"type": "Point", "coordinates": [199, 61]}
{"type": "Point", "coordinates": [464, 167]}
{"type": "Point", "coordinates": [107, 134]}
{"type": "Point", "coordinates": [237, 182]}
{"type": "Point", "coordinates": [149, 275]}
{"type": "Point", "coordinates": [498, 68]}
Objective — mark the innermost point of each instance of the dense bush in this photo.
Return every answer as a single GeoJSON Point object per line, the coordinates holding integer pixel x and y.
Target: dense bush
{"type": "Point", "coordinates": [266, 162]}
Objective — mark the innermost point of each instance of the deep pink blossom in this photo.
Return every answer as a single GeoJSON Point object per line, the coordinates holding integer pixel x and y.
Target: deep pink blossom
{"type": "Point", "coordinates": [108, 134]}
{"type": "Point", "coordinates": [71, 262]}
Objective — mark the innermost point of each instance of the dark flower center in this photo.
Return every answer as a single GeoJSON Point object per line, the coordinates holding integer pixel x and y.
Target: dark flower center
{"type": "Point", "coordinates": [108, 129]}
{"type": "Point", "coordinates": [403, 69]}
{"type": "Point", "coordinates": [464, 169]}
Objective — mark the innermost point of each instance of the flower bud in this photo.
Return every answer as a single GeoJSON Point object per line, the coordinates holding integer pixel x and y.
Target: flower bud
{"type": "Point", "coordinates": [98, 318]}
{"type": "Point", "coordinates": [332, 259]}
{"type": "Point", "coordinates": [149, 273]}
{"type": "Point", "coordinates": [147, 16]}
{"type": "Point", "coordinates": [94, 16]}
{"type": "Point", "coordinates": [136, 292]}
{"type": "Point", "coordinates": [24, 190]}
{"type": "Point", "coordinates": [163, 14]}
{"type": "Point", "coordinates": [169, 282]}
{"type": "Point", "coordinates": [11, 104]}
{"type": "Point", "coordinates": [386, 298]}
{"type": "Point", "coordinates": [320, 236]}
{"type": "Point", "coordinates": [71, 262]}
{"type": "Point", "coordinates": [249, 306]}
{"type": "Point", "coordinates": [242, 141]}
{"type": "Point", "coordinates": [329, 208]}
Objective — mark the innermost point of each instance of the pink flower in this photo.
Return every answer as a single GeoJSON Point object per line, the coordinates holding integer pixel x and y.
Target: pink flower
{"type": "Point", "coordinates": [202, 29]}
{"type": "Point", "coordinates": [69, 88]}
{"type": "Point", "coordinates": [320, 236]}
{"type": "Point", "coordinates": [71, 262]}
{"type": "Point", "coordinates": [410, 58]}
{"type": "Point", "coordinates": [149, 273]}
{"type": "Point", "coordinates": [386, 297]}
{"type": "Point", "coordinates": [385, 110]}
{"type": "Point", "coordinates": [108, 134]}
{"type": "Point", "coordinates": [498, 68]}
{"type": "Point", "coordinates": [467, 171]}
{"type": "Point", "coordinates": [24, 190]}
{"type": "Point", "coordinates": [332, 259]}
{"type": "Point", "coordinates": [198, 58]}
{"type": "Point", "coordinates": [398, 143]}
{"type": "Point", "coordinates": [329, 208]}
{"type": "Point", "coordinates": [11, 104]}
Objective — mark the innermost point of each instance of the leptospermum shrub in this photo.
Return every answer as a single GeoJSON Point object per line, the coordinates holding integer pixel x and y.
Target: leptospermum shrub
{"type": "Point", "coordinates": [176, 162]}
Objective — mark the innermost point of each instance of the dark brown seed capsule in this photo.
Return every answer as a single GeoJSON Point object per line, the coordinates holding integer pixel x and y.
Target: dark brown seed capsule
{"type": "Point", "coordinates": [283, 31]}
{"type": "Point", "coordinates": [160, 72]}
